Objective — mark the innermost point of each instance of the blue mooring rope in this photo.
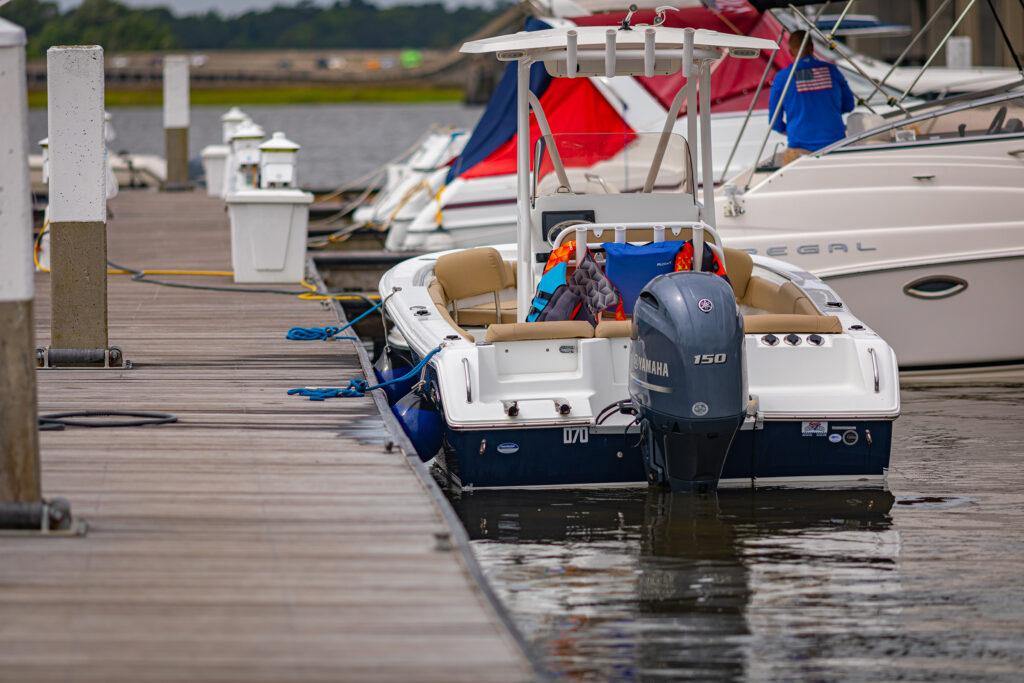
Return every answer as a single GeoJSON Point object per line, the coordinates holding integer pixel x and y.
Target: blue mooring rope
{"type": "Point", "coordinates": [358, 387]}
{"type": "Point", "coordinates": [328, 333]}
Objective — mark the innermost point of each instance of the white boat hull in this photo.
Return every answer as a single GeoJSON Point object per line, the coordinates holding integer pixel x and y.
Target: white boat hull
{"type": "Point", "coordinates": [873, 222]}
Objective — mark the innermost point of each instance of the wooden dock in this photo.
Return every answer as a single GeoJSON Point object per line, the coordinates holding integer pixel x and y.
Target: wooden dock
{"type": "Point", "coordinates": [262, 538]}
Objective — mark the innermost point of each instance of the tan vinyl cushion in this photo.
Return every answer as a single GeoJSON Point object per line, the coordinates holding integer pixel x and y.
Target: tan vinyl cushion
{"type": "Point", "coordinates": [553, 329]}
{"type": "Point", "coordinates": [470, 272]}
{"type": "Point", "coordinates": [738, 266]}
{"type": "Point", "coordinates": [483, 314]}
{"type": "Point", "coordinates": [784, 299]}
{"type": "Point", "coordinates": [437, 296]}
{"type": "Point", "coordinates": [610, 329]}
{"type": "Point", "coordinates": [784, 324]}
{"type": "Point", "coordinates": [762, 294]}
{"type": "Point", "coordinates": [796, 300]}
{"type": "Point", "coordinates": [510, 273]}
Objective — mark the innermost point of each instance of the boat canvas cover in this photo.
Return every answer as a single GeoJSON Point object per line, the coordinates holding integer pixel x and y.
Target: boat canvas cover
{"type": "Point", "coordinates": [497, 125]}
{"type": "Point", "coordinates": [734, 80]}
{"type": "Point", "coordinates": [571, 104]}
{"type": "Point", "coordinates": [576, 105]}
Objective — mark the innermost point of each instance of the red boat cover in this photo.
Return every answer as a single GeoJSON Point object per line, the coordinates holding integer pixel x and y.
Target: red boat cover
{"type": "Point", "coordinates": [572, 105]}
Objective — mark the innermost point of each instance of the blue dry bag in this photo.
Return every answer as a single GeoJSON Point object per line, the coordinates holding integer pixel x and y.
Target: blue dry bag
{"type": "Point", "coordinates": [630, 267]}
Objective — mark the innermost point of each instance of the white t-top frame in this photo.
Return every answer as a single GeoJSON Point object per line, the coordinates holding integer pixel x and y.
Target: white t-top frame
{"type": "Point", "coordinates": [604, 51]}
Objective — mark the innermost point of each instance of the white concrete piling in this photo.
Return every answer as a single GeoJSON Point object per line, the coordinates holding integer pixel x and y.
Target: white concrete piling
{"type": "Point", "coordinates": [19, 441]}
{"type": "Point", "coordinates": [176, 121]}
{"type": "Point", "coordinates": [78, 198]}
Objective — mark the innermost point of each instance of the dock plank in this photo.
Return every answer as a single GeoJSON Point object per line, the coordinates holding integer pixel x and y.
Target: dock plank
{"type": "Point", "coordinates": [263, 537]}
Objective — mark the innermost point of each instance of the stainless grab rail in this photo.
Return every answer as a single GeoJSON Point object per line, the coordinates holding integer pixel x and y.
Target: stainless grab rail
{"type": "Point", "coordinates": [874, 368]}
{"type": "Point", "coordinates": [469, 384]}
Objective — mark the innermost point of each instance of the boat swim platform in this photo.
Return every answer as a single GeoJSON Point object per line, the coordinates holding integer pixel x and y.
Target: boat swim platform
{"type": "Point", "coordinates": [263, 537]}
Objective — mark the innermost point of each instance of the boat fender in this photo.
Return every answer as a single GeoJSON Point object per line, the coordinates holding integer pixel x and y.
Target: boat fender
{"type": "Point", "coordinates": [422, 423]}
{"type": "Point", "coordinates": [386, 370]}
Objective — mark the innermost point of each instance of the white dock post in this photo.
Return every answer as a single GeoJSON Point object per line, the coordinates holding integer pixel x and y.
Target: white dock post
{"type": "Point", "coordinates": [176, 122]}
{"type": "Point", "coordinates": [19, 440]}
{"type": "Point", "coordinates": [78, 198]}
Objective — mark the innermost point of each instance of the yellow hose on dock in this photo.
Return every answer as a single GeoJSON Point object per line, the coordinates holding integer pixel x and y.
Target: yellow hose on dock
{"type": "Point", "coordinates": [312, 295]}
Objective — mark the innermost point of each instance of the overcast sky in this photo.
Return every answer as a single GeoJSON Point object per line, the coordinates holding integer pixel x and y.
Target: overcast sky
{"type": "Point", "coordinates": [239, 6]}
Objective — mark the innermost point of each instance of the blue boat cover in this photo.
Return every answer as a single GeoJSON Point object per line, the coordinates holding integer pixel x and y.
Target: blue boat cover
{"type": "Point", "coordinates": [630, 267]}
{"type": "Point", "coordinates": [498, 123]}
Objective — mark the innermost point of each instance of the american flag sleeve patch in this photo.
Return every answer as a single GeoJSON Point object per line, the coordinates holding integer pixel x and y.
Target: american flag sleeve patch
{"type": "Point", "coordinates": [813, 79]}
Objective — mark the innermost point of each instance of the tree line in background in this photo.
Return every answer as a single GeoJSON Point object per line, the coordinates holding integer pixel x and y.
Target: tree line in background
{"type": "Point", "coordinates": [348, 24]}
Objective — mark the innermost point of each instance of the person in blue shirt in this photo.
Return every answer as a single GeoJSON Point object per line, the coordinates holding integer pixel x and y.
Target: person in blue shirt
{"type": "Point", "coordinates": [812, 111]}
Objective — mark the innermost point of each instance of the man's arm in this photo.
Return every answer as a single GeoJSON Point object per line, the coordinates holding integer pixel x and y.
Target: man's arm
{"type": "Point", "coordinates": [847, 100]}
{"type": "Point", "coordinates": [774, 95]}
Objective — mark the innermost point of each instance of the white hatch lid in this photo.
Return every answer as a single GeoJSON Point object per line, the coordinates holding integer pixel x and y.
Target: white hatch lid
{"type": "Point", "coordinates": [234, 115]}
{"type": "Point", "coordinates": [248, 131]}
{"type": "Point", "coordinates": [279, 143]}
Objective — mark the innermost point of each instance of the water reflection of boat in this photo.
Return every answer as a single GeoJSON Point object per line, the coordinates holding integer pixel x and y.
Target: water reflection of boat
{"type": "Point", "coordinates": [622, 583]}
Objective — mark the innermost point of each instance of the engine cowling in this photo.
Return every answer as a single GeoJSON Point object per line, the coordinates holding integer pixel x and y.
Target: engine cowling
{"type": "Point", "coordinates": [687, 378]}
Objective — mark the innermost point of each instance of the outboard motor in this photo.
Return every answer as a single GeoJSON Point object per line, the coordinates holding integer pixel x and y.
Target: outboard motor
{"type": "Point", "coordinates": [686, 377]}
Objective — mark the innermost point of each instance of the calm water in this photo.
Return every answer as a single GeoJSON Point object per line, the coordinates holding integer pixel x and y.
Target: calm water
{"type": "Point", "coordinates": [922, 580]}
{"type": "Point", "coordinates": [339, 141]}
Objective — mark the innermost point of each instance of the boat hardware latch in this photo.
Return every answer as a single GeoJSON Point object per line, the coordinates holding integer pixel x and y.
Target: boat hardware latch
{"type": "Point", "coordinates": [511, 408]}
{"type": "Point", "coordinates": [50, 358]}
{"type": "Point", "coordinates": [754, 415]}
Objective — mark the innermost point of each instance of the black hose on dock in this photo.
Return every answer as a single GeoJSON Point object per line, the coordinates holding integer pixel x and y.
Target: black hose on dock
{"type": "Point", "coordinates": [84, 418]}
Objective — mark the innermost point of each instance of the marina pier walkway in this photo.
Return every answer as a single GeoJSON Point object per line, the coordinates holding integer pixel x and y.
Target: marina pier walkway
{"type": "Point", "coordinates": [264, 537]}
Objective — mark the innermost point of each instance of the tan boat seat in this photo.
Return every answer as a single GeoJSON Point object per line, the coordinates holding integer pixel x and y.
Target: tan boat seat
{"type": "Point", "coordinates": [470, 272]}
{"type": "Point", "coordinates": [784, 324]}
{"type": "Point", "coordinates": [738, 266]}
{"type": "Point", "coordinates": [483, 314]}
{"type": "Point", "coordinates": [473, 273]}
{"type": "Point", "coordinates": [612, 329]}
{"type": "Point", "coordinates": [437, 296]}
{"type": "Point", "coordinates": [756, 292]}
{"type": "Point", "coordinates": [549, 329]}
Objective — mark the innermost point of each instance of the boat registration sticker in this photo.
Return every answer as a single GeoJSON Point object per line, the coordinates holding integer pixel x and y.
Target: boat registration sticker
{"type": "Point", "coordinates": [814, 428]}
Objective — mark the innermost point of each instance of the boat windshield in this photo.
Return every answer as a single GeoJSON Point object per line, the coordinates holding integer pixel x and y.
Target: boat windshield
{"type": "Point", "coordinates": [611, 163]}
{"type": "Point", "coordinates": [946, 124]}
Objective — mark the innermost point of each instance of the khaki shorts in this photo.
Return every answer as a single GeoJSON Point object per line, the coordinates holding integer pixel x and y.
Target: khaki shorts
{"type": "Point", "coordinates": [791, 154]}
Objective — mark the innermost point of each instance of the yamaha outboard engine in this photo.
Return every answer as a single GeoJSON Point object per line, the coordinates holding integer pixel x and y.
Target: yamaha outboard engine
{"type": "Point", "coordinates": [686, 377]}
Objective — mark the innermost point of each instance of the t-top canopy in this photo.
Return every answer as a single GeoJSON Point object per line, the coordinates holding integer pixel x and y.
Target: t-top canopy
{"type": "Point", "coordinates": [595, 38]}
